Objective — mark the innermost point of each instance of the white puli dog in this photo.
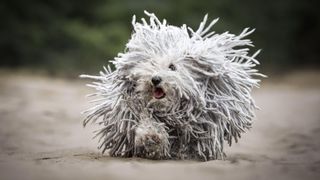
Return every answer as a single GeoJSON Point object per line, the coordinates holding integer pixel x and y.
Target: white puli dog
{"type": "Point", "coordinates": [175, 93]}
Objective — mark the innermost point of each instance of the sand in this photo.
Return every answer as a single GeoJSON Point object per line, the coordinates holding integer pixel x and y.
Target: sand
{"type": "Point", "coordinates": [41, 135]}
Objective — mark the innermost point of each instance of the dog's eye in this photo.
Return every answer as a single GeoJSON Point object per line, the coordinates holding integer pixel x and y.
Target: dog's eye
{"type": "Point", "coordinates": [172, 67]}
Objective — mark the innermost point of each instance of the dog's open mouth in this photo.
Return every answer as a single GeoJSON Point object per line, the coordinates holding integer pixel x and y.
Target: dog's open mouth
{"type": "Point", "coordinates": [158, 93]}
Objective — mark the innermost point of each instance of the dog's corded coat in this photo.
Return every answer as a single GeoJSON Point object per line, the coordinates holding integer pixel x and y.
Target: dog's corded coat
{"type": "Point", "coordinates": [208, 92]}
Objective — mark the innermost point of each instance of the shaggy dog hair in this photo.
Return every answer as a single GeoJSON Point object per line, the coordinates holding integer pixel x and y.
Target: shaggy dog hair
{"type": "Point", "coordinates": [175, 93]}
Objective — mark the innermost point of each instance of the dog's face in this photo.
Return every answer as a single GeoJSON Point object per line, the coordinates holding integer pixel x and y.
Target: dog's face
{"type": "Point", "coordinates": [162, 82]}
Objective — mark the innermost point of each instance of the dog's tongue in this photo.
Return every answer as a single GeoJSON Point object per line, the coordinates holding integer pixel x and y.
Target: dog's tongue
{"type": "Point", "coordinates": [158, 93]}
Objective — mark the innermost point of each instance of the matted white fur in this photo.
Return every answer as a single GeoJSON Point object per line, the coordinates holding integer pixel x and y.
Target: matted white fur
{"type": "Point", "coordinates": [203, 98]}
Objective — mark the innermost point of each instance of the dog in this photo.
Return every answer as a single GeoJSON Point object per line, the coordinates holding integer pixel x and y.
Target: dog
{"type": "Point", "coordinates": [175, 93]}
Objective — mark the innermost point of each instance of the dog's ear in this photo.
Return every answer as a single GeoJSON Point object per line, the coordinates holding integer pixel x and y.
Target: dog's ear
{"type": "Point", "coordinates": [226, 87]}
{"type": "Point", "coordinates": [111, 110]}
{"type": "Point", "coordinates": [229, 93]}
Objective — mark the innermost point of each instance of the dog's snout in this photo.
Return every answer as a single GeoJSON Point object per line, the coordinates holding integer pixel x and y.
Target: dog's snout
{"type": "Point", "coordinates": [156, 80]}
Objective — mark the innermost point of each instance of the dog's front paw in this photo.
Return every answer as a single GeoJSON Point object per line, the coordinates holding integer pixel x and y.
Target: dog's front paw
{"type": "Point", "coordinates": [151, 142]}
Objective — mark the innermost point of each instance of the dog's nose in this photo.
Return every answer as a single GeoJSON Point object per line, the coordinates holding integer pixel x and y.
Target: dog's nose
{"type": "Point", "coordinates": [156, 80]}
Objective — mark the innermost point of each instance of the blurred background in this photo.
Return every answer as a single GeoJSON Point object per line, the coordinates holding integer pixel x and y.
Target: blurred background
{"type": "Point", "coordinates": [74, 36]}
{"type": "Point", "coordinates": [46, 44]}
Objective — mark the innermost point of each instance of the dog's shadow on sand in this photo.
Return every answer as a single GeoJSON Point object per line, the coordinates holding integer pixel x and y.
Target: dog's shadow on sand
{"type": "Point", "coordinates": [233, 160]}
{"type": "Point", "coordinates": [98, 157]}
{"type": "Point", "coordinates": [293, 146]}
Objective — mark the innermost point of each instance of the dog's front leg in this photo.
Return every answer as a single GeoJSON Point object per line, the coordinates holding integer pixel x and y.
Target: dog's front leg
{"type": "Point", "coordinates": [151, 140]}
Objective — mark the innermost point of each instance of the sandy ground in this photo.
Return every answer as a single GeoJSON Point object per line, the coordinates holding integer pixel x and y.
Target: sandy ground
{"type": "Point", "coordinates": [41, 135]}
